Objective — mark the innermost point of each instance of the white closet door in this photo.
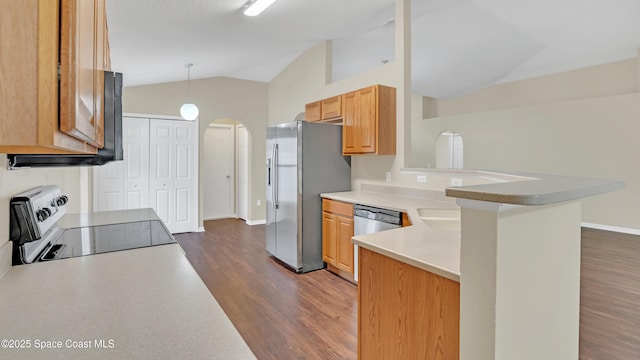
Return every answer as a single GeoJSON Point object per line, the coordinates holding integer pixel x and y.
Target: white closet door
{"type": "Point", "coordinates": [135, 138]}
{"type": "Point", "coordinates": [173, 173]}
{"type": "Point", "coordinates": [109, 190]}
{"type": "Point", "coordinates": [161, 168]}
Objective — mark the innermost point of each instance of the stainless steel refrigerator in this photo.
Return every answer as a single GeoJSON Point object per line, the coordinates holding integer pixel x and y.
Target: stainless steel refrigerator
{"type": "Point", "coordinates": [304, 159]}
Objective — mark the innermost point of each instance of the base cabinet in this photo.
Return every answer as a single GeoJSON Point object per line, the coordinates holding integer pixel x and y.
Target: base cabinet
{"type": "Point", "coordinates": [337, 231]}
{"type": "Point", "coordinates": [405, 312]}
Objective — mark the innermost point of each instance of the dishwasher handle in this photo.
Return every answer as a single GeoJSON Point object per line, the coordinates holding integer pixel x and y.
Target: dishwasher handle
{"type": "Point", "coordinates": [377, 214]}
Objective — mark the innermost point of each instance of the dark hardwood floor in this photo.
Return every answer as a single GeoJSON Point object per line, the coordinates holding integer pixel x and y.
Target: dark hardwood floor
{"type": "Point", "coordinates": [609, 296]}
{"type": "Point", "coordinates": [282, 315]}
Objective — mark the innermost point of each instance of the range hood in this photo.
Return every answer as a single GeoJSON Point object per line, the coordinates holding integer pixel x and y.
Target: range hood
{"type": "Point", "coordinates": [112, 149]}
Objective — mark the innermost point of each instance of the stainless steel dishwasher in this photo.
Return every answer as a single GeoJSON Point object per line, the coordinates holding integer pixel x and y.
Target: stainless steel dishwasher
{"type": "Point", "coordinates": [367, 220]}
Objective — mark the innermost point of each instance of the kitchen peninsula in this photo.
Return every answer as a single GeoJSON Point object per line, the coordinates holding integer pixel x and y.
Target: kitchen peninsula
{"type": "Point", "coordinates": [518, 253]}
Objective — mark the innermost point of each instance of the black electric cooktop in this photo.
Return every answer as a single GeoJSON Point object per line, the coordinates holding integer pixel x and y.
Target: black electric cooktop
{"type": "Point", "coordinates": [107, 238]}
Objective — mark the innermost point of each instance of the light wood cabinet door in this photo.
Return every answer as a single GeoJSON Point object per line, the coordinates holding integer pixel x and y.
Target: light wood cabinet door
{"type": "Point", "coordinates": [29, 95]}
{"type": "Point", "coordinates": [313, 111]}
{"type": "Point", "coordinates": [332, 108]}
{"type": "Point", "coordinates": [329, 238]}
{"type": "Point", "coordinates": [404, 312]}
{"type": "Point", "coordinates": [337, 231]}
{"type": "Point", "coordinates": [350, 128]}
{"type": "Point", "coordinates": [344, 232]}
{"type": "Point", "coordinates": [368, 120]}
{"type": "Point", "coordinates": [369, 125]}
{"type": "Point", "coordinates": [80, 91]}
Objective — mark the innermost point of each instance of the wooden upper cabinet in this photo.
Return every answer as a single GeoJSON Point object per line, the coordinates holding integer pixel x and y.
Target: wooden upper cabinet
{"type": "Point", "coordinates": [313, 111]}
{"type": "Point", "coordinates": [332, 108]}
{"type": "Point", "coordinates": [369, 125]}
{"type": "Point", "coordinates": [81, 44]}
{"type": "Point", "coordinates": [41, 111]}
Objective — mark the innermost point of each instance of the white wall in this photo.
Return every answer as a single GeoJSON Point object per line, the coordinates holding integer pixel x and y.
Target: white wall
{"type": "Point", "coordinates": [217, 98]}
{"type": "Point", "coordinates": [587, 128]}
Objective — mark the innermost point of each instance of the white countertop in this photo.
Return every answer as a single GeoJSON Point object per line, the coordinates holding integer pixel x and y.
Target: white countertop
{"type": "Point", "coordinates": [436, 251]}
{"type": "Point", "coordinates": [541, 189]}
{"type": "Point", "coordinates": [144, 303]}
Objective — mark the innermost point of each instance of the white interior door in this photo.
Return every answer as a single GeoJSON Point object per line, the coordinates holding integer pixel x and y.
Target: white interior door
{"type": "Point", "coordinates": [161, 168]}
{"type": "Point", "coordinates": [108, 187]}
{"type": "Point", "coordinates": [135, 139]}
{"type": "Point", "coordinates": [173, 173]}
{"type": "Point", "coordinates": [243, 171]}
{"type": "Point", "coordinates": [219, 171]}
{"type": "Point", "coordinates": [185, 185]}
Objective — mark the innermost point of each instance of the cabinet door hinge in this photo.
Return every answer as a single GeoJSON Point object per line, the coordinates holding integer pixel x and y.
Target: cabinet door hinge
{"type": "Point", "coordinates": [59, 72]}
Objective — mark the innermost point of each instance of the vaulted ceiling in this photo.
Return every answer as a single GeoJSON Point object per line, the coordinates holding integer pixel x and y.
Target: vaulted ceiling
{"type": "Point", "coordinates": [457, 45]}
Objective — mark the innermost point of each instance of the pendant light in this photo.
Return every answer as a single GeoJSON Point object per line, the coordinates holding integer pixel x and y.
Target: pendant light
{"type": "Point", "coordinates": [189, 111]}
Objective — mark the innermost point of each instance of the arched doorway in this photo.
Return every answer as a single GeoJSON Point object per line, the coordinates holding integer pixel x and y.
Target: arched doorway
{"type": "Point", "coordinates": [226, 170]}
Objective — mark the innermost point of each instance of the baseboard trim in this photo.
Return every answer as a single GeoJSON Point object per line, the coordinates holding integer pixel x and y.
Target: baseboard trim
{"type": "Point", "coordinates": [611, 228]}
{"type": "Point", "coordinates": [256, 222]}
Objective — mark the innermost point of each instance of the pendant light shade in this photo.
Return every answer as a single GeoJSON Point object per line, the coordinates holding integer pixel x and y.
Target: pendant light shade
{"type": "Point", "coordinates": [189, 111]}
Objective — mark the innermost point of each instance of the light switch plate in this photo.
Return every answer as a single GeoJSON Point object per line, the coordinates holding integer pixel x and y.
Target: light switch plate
{"type": "Point", "coordinates": [422, 179]}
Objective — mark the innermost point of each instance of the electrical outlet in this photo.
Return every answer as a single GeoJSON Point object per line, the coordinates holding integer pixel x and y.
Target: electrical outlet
{"type": "Point", "coordinates": [388, 176]}
{"type": "Point", "coordinates": [258, 202]}
{"type": "Point", "coordinates": [422, 178]}
{"type": "Point", "coordinates": [456, 182]}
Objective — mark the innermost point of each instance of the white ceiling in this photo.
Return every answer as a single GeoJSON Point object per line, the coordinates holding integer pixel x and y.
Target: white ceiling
{"type": "Point", "coordinates": [457, 45]}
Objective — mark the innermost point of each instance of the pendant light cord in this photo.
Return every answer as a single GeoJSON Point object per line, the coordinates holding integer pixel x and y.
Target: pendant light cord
{"type": "Point", "coordinates": [189, 82]}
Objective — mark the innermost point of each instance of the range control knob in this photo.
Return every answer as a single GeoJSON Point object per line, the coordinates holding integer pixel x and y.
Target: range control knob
{"type": "Point", "coordinates": [62, 200]}
{"type": "Point", "coordinates": [43, 214]}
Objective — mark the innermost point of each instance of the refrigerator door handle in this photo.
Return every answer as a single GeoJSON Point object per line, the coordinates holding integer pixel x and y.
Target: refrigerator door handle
{"type": "Point", "coordinates": [274, 187]}
{"type": "Point", "coordinates": [268, 172]}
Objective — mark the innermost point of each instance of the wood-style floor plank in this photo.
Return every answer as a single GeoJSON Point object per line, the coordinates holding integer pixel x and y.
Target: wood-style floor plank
{"type": "Point", "coordinates": [609, 296]}
{"type": "Point", "coordinates": [282, 315]}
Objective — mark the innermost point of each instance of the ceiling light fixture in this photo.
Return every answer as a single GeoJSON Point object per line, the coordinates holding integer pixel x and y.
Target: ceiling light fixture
{"type": "Point", "coordinates": [256, 7]}
{"type": "Point", "coordinates": [189, 111]}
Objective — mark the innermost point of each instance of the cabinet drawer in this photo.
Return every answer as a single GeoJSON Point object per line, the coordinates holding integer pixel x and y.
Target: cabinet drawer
{"type": "Point", "coordinates": [313, 111]}
{"type": "Point", "coordinates": [337, 207]}
{"type": "Point", "coordinates": [332, 108]}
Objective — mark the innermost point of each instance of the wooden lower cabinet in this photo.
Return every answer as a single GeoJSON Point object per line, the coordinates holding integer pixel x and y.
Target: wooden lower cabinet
{"type": "Point", "coordinates": [337, 231]}
{"type": "Point", "coordinates": [405, 312]}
